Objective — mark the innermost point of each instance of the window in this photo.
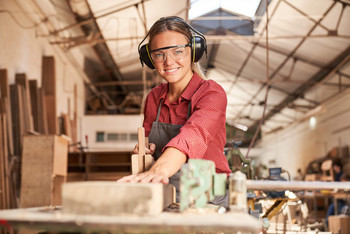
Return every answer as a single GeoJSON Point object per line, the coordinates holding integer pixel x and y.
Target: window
{"type": "Point", "coordinates": [133, 137]}
{"type": "Point", "coordinates": [100, 136]}
{"type": "Point", "coordinates": [115, 137]}
{"type": "Point", "coordinates": [201, 7]}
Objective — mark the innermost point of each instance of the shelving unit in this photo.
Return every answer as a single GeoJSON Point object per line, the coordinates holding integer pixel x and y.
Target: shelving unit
{"type": "Point", "coordinates": [98, 165]}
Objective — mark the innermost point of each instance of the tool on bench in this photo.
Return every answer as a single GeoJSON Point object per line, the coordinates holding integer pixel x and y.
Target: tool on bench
{"type": "Point", "coordinates": [199, 183]}
{"type": "Point", "coordinates": [141, 162]}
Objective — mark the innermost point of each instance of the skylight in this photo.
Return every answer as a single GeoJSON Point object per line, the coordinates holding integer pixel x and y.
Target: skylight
{"type": "Point", "coordinates": [243, 7]}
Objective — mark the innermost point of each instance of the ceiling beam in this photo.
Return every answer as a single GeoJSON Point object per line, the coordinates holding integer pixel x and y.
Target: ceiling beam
{"type": "Point", "coordinates": [282, 64]}
{"type": "Point", "coordinates": [323, 74]}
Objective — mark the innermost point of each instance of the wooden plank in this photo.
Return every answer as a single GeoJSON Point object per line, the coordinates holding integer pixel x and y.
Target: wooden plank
{"type": "Point", "coordinates": [42, 116]}
{"type": "Point", "coordinates": [5, 152]}
{"type": "Point", "coordinates": [34, 93]}
{"type": "Point", "coordinates": [22, 80]}
{"type": "Point", "coordinates": [66, 125]}
{"type": "Point", "coordinates": [17, 119]}
{"type": "Point", "coordinates": [43, 158]}
{"type": "Point", "coordinates": [2, 172]}
{"type": "Point", "coordinates": [60, 156]}
{"type": "Point", "coordinates": [75, 115]}
{"type": "Point", "coordinates": [52, 120]}
{"type": "Point", "coordinates": [48, 75]}
{"type": "Point", "coordinates": [5, 93]}
{"type": "Point", "coordinates": [111, 198]}
{"type": "Point", "coordinates": [49, 88]}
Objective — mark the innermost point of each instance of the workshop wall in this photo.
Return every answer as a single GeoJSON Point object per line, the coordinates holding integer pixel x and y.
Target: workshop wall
{"type": "Point", "coordinates": [110, 132]}
{"type": "Point", "coordinates": [22, 47]}
{"type": "Point", "coordinates": [300, 143]}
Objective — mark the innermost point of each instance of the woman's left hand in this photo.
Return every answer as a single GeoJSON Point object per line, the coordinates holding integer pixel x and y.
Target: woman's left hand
{"type": "Point", "coordinates": [146, 177]}
{"type": "Point", "coordinates": [167, 165]}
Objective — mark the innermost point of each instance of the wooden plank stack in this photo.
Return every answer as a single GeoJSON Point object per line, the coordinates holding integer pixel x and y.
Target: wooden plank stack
{"type": "Point", "coordinates": [26, 109]}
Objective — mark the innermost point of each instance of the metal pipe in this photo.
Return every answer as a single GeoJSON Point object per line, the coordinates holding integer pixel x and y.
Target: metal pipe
{"type": "Point", "coordinates": [296, 185]}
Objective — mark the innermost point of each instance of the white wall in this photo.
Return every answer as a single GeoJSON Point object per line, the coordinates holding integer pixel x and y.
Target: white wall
{"type": "Point", "coordinates": [297, 145]}
{"type": "Point", "coordinates": [22, 49]}
{"type": "Point", "coordinates": [110, 124]}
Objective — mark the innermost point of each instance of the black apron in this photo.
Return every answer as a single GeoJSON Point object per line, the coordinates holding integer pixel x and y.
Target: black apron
{"type": "Point", "coordinates": [160, 135]}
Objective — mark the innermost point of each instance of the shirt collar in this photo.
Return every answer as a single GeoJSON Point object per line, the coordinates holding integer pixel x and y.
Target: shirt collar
{"type": "Point", "coordinates": [188, 92]}
{"type": "Point", "coordinates": [192, 87]}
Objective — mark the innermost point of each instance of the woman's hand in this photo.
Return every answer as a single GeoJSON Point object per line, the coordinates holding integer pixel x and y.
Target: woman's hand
{"type": "Point", "coordinates": [150, 150]}
{"type": "Point", "coordinates": [167, 165]}
{"type": "Point", "coordinates": [146, 177]}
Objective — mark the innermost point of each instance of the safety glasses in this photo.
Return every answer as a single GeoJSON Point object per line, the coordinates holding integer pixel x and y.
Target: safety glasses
{"type": "Point", "coordinates": [175, 52]}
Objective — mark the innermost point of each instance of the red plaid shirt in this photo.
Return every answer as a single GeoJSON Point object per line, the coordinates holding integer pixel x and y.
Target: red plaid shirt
{"type": "Point", "coordinates": [203, 135]}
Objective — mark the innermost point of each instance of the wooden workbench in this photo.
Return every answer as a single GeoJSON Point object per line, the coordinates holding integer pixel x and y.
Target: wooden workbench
{"type": "Point", "coordinates": [53, 220]}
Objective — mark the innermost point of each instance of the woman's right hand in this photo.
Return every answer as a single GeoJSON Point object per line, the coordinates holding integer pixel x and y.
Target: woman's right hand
{"type": "Point", "coordinates": [150, 150]}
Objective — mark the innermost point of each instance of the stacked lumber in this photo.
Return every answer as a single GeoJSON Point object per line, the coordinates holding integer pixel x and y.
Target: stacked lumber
{"type": "Point", "coordinates": [27, 109]}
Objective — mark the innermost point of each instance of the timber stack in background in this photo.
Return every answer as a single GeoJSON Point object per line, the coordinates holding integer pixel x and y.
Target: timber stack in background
{"type": "Point", "coordinates": [27, 109]}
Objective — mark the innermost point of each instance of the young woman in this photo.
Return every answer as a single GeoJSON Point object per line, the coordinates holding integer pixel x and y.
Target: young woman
{"type": "Point", "coordinates": [185, 117]}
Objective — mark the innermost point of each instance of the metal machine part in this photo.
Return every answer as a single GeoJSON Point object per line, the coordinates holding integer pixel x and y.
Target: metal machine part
{"type": "Point", "coordinates": [238, 191]}
{"type": "Point", "coordinates": [199, 183]}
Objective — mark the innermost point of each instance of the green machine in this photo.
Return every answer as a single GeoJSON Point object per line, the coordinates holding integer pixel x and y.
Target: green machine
{"type": "Point", "coordinates": [199, 183]}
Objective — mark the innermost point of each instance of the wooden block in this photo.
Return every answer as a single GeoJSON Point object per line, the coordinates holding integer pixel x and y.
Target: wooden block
{"type": "Point", "coordinates": [339, 224]}
{"type": "Point", "coordinates": [111, 198]}
{"type": "Point", "coordinates": [56, 195]}
{"type": "Point", "coordinates": [149, 160]}
{"type": "Point", "coordinates": [60, 156]}
{"type": "Point", "coordinates": [43, 158]}
{"type": "Point", "coordinates": [134, 164]}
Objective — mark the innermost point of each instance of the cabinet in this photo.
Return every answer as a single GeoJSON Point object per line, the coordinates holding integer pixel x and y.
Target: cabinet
{"type": "Point", "coordinates": [98, 165]}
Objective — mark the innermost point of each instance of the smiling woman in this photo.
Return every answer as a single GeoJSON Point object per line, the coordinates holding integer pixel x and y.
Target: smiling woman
{"type": "Point", "coordinates": [185, 117]}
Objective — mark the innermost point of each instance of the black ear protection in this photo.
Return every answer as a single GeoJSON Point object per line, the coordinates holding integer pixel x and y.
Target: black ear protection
{"type": "Point", "coordinates": [198, 45]}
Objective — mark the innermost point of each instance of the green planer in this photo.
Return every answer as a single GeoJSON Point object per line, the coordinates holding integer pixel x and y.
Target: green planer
{"type": "Point", "coordinates": [199, 183]}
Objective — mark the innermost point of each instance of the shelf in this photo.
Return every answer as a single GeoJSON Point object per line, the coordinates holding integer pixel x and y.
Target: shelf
{"type": "Point", "coordinates": [99, 165]}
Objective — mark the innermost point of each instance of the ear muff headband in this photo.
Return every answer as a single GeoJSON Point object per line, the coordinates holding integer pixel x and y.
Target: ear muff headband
{"type": "Point", "coordinates": [193, 49]}
{"type": "Point", "coordinates": [149, 55]}
{"type": "Point", "coordinates": [198, 44]}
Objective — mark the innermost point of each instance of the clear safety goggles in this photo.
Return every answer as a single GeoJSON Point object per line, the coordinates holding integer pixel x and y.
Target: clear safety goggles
{"type": "Point", "coordinates": [175, 52]}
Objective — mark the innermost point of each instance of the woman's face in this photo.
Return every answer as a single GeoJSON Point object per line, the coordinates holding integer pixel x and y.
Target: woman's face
{"type": "Point", "coordinates": [173, 64]}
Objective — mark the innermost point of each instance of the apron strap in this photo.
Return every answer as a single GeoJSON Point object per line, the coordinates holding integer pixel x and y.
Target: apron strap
{"type": "Point", "coordinates": [189, 110]}
{"type": "Point", "coordinates": [158, 113]}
